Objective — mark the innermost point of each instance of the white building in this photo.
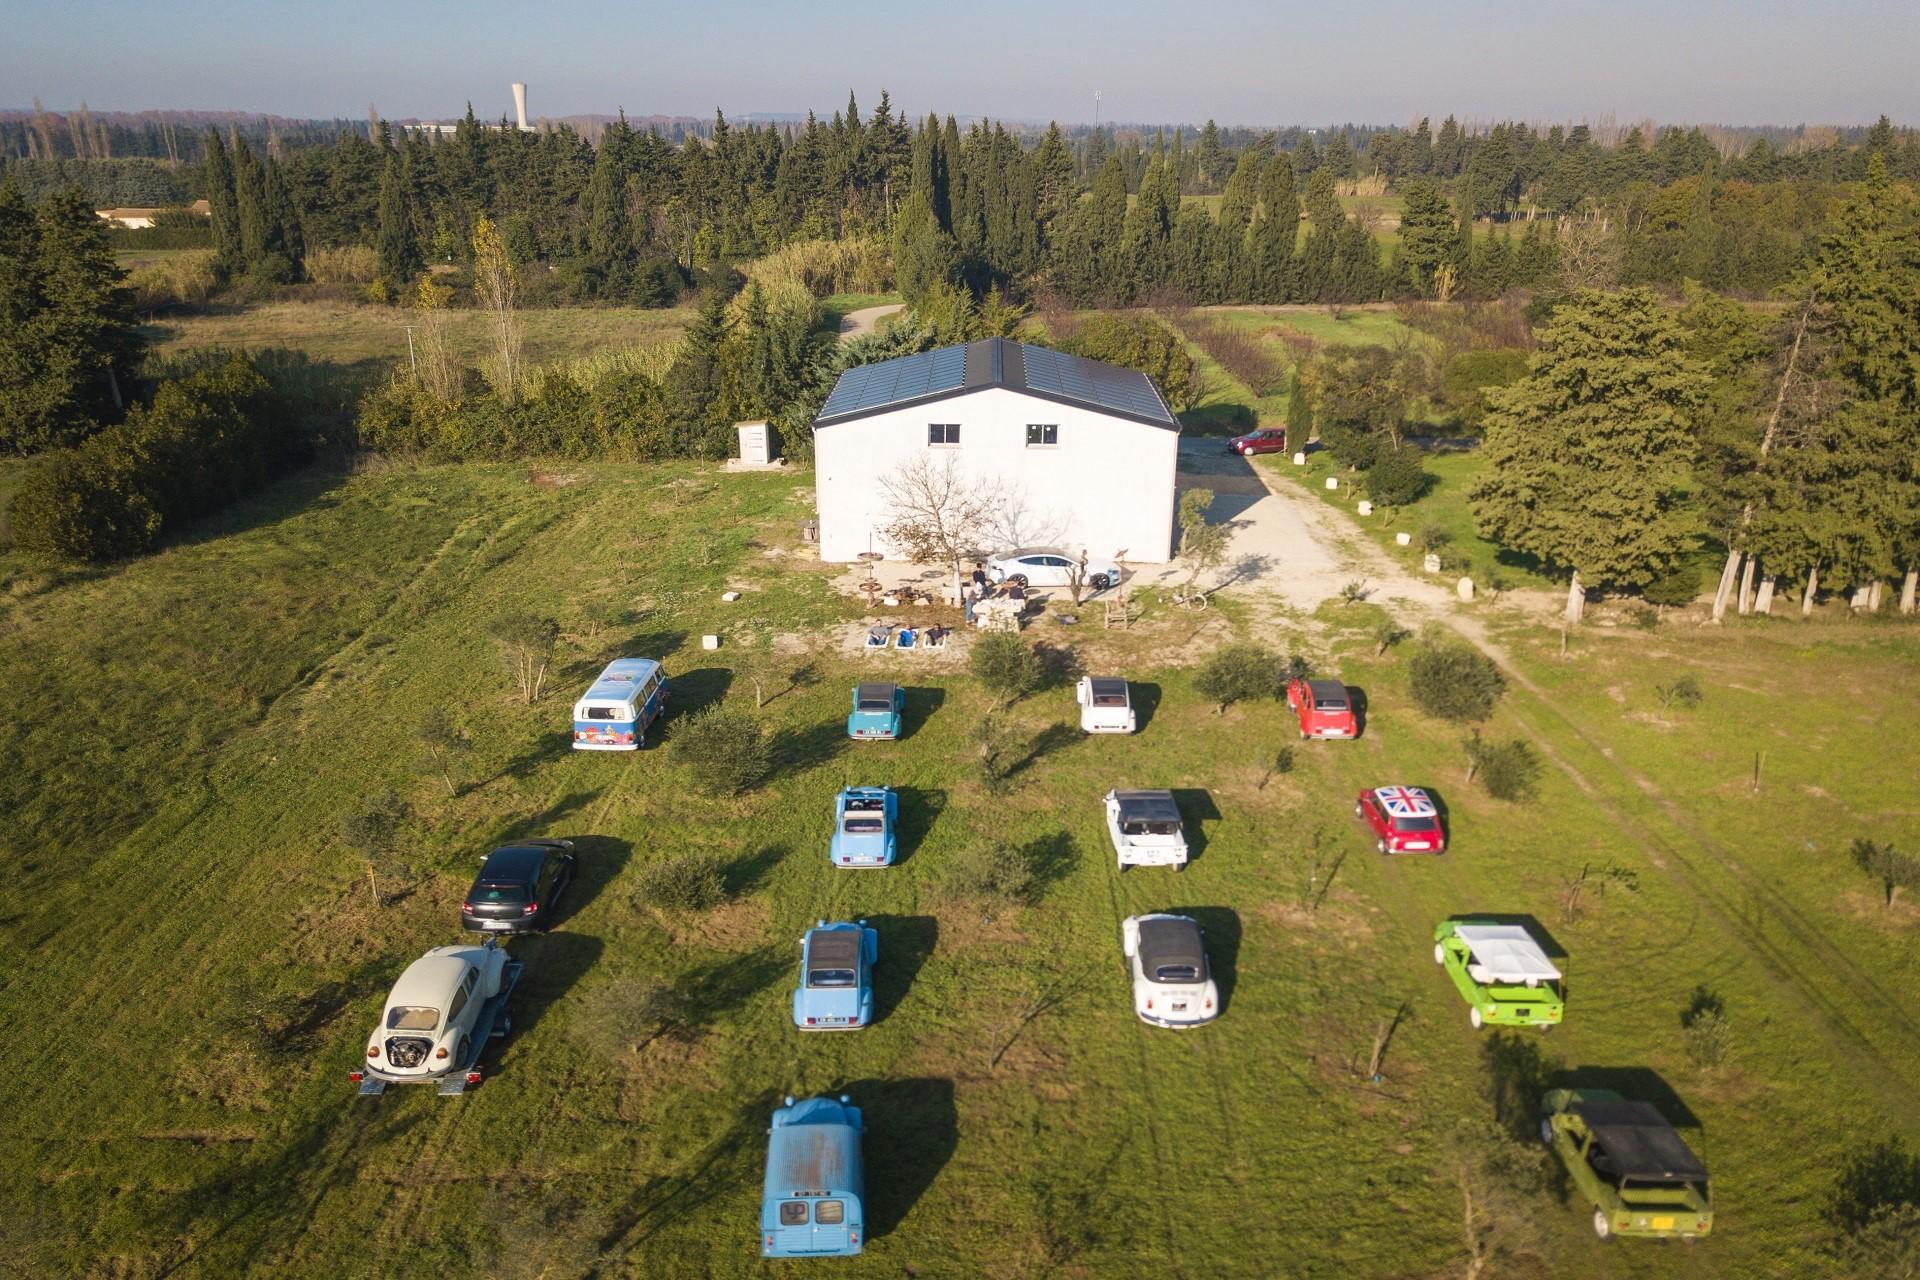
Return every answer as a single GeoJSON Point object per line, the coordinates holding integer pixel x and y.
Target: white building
{"type": "Point", "coordinates": [1083, 453]}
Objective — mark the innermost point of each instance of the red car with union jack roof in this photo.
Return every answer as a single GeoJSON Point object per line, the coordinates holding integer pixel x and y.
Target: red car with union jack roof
{"type": "Point", "coordinates": [1405, 820]}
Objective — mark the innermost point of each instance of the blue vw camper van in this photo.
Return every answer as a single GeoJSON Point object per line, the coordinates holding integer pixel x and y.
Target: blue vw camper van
{"type": "Point", "coordinates": [623, 701]}
{"type": "Point", "coordinates": [815, 1181]}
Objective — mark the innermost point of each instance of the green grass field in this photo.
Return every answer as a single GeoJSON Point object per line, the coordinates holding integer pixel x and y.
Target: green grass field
{"type": "Point", "coordinates": [348, 333]}
{"type": "Point", "coordinates": [194, 959]}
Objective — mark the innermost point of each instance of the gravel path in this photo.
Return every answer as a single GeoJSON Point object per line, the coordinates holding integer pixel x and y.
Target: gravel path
{"type": "Point", "coordinates": [857, 324]}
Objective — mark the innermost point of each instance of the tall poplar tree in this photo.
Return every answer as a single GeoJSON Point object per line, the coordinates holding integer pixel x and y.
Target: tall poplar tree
{"type": "Point", "coordinates": [396, 246]}
{"type": "Point", "coordinates": [1589, 455]}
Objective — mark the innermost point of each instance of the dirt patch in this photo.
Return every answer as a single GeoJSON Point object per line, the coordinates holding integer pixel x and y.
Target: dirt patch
{"type": "Point", "coordinates": [729, 926]}
{"type": "Point", "coordinates": [964, 925]}
{"type": "Point", "coordinates": [231, 1075]}
{"type": "Point", "coordinates": [1342, 915]}
{"type": "Point", "coordinates": [555, 479]}
{"type": "Point", "coordinates": [1870, 909]}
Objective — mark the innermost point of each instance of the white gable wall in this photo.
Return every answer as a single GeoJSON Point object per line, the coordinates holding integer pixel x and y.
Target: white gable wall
{"type": "Point", "coordinates": [1108, 485]}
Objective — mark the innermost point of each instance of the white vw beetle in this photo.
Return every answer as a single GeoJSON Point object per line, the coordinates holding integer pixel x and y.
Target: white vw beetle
{"type": "Point", "coordinates": [438, 1017]}
{"type": "Point", "coordinates": [1106, 706]}
{"type": "Point", "coordinates": [1172, 986]}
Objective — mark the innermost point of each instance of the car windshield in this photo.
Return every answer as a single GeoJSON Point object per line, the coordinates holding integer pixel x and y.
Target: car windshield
{"type": "Point", "coordinates": [1176, 973]}
{"type": "Point", "coordinates": [876, 704]}
{"type": "Point", "coordinates": [412, 1017]}
{"type": "Point", "coordinates": [863, 824]}
{"type": "Point", "coordinates": [603, 713]}
{"type": "Point", "coordinates": [1329, 704]}
{"type": "Point", "coordinates": [1143, 827]}
{"type": "Point", "coordinates": [1109, 699]}
{"type": "Point", "coordinates": [500, 893]}
{"type": "Point", "coordinates": [1109, 693]}
{"type": "Point", "coordinates": [1415, 824]}
{"type": "Point", "coordinates": [829, 977]}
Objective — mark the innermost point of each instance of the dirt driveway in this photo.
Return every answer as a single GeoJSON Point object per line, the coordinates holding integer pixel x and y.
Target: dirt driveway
{"type": "Point", "coordinates": [857, 324]}
{"type": "Point", "coordinates": [1288, 544]}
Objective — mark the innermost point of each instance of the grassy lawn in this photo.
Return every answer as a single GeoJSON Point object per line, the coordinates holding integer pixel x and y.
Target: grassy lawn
{"type": "Point", "coordinates": [197, 960]}
{"type": "Point", "coordinates": [347, 333]}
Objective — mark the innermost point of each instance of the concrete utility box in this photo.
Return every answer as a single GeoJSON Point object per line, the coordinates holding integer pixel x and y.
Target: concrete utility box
{"type": "Point", "coordinates": [756, 443]}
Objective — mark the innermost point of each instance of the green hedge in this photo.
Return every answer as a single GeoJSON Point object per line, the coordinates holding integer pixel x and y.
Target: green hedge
{"type": "Point", "coordinates": [205, 441]}
{"type": "Point", "coordinates": [621, 416]}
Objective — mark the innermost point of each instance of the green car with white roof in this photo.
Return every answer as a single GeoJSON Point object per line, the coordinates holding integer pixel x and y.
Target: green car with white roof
{"type": "Point", "coordinates": [1501, 971]}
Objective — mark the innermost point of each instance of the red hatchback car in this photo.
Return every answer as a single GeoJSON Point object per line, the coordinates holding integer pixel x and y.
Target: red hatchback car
{"type": "Point", "coordinates": [1404, 818]}
{"type": "Point", "coordinates": [1325, 708]}
{"type": "Point", "coordinates": [1265, 440]}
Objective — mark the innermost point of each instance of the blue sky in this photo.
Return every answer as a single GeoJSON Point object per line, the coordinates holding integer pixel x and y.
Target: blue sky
{"type": "Point", "coordinates": [1238, 61]}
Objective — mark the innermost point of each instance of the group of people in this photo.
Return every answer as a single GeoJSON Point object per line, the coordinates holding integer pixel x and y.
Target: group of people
{"type": "Point", "coordinates": [981, 587]}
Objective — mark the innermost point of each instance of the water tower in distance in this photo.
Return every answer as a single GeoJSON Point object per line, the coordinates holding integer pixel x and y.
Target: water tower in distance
{"type": "Point", "coordinates": [520, 105]}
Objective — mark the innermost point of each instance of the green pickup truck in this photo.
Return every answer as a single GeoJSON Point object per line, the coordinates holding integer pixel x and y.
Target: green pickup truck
{"type": "Point", "coordinates": [1629, 1163]}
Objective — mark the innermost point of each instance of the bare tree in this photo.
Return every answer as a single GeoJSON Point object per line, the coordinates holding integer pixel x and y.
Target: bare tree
{"type": "Point", "coordinates": [436, 371]}
{"type": "Point", "coordinates": [1589, 253]}
{"type": "Point", "coordinates": [526, 642]}
{"type": "Point", "coordinates": [1203, 546]}
{"type": "Point", "coordinates": [938, 514]}
{"type": "Point", "coordinates": [495, 283]}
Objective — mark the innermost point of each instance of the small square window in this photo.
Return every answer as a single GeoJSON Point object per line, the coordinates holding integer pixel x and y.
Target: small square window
{"type": "Point", "coordinates": [943, 433]}
{"type": "Point", "coordinates": [830, 1213]}
{"type": "Point", "coordinates": [793, 1213]}
{"type": "Point", "coordinates": [1040, 434]}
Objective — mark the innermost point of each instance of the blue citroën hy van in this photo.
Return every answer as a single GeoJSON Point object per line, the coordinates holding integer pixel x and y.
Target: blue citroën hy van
{"type": "Point", "coordinates": [815, 1181]}
{"type": "Point", "coordinates": [615, 712]}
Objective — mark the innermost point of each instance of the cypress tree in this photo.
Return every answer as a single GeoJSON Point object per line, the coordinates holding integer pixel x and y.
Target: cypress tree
{"type": "Point", "coordinates": [229, 259]}
{"type": "Point", "coordinates": [395, 244]}
{"type": "Point", "coordinates": [1274, 236]}
{"type": "Point", "coordinates": [700, 398]}
{"type": "Point", "coordinates": [1427, 234]}
{"type": "Point", "coordinates": [1299, 414]}
{"type": "Point", "coordinates": [250, 194]}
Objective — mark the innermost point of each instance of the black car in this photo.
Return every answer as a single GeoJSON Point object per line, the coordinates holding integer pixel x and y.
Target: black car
{"type": "Point", "coordinates": [518, 887]}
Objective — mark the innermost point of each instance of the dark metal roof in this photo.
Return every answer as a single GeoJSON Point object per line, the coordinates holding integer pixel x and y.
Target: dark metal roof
{"type": "Point", "coordinates": [1147, 806]}
{"type": "Point", "coordinates": [1108, 687]}
{"type": "Point", "coordinates": [1639, 1142]}
{"type": "Point", "coordinates": [1171, 942]}
{"type": "Point", "coordinates": [996, 362]}
{"type": "Point", "coordinates": [874, 692]}
{"type": "Point", "coordinates": [1327, 691]}
{"type": "Point", "coordinates": [514, 862]}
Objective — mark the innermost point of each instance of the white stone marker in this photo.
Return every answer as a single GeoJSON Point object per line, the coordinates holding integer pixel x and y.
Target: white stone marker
{"type": "Point", "coordinates": [1299, 459]}
{"type": "Point", "coordinates": [709, 642]}
{"type": "Point", "coordinates": [1366, 508]}
{"type": "Point", "coordinates": [1432, 563]}
{"type": "Point", "coordinates": [1333, 482]}
{"type": "Point", "coordinates": [1464, 588]}
{"type": "Point", "coordinates": [1404, 539]}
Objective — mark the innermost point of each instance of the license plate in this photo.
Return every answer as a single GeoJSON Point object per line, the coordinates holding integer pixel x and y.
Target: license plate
{"type": "Point", "coordinates": [1418, 844]}
{"type": "Point", "coordinates": [1663, 1224]}
{"type": "Point", "coordinates": [1179, 1008]}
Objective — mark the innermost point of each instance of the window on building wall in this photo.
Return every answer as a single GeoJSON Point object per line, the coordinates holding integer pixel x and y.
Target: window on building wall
{"type": "Point", "coordinates": [943, 433]}
{"type": "Point", "coordinates": [1042, 434]}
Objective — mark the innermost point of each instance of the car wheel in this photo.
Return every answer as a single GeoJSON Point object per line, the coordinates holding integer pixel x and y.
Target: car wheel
{"type": "Point", "coordinates": [1303, 735]}
{"type": "Point", "coordinates": [1380, 844]}
{"type": "Point", "coordinates": [1018, 580]}
{"type": "Point", "coordinates": [1099, 582]}
{"type": "Point", "coordinates": [1602, 1227]}
{"type": "Point", "coordinates": [1439, 953]}
{"type": "Point", "coordinates": [1359, 811]}
{"type": "Point", "coordinates": [1546, 1130]}
{"type": "Point", "coordinates": [1473, 1016]}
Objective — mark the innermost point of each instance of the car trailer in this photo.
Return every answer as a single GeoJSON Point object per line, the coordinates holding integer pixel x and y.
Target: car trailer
{"type": "Point", "coordinates": [492, 1024]}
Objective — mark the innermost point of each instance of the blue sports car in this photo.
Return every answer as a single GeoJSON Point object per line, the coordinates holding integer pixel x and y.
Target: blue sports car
{"type": "Point", "coordinates": [876, 711]}
{"type": "Point", "coordinates": [836, 977]}
{"type": "Point", "coordinates": [863, 822]}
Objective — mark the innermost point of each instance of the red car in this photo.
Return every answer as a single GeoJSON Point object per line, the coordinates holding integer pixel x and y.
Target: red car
{"type": "Point", "coordinates": [1265, 440]}
{"type": "Point", "coordinates": [1404, 818]}
{"type": "Point", "coordinates": [1324, 706]}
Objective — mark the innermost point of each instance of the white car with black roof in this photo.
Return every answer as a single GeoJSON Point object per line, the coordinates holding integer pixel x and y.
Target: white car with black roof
{"type": "Point", "coordinates": [1172, 983]}
{"type": "Point", "coordinates": [1146, 830]}
{"type": "Point", "coordinates": [1106, 705]}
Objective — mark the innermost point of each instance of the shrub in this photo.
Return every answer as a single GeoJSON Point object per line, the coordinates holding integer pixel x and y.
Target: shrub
{"type": "Point", "coordinates": [1883, 1176]}
{"type": "Point", "coordinates": [1396, 478]}
{"type": "Point", "coordinates": [681, 882]}
{"type": "Point", "coordinates": [342, 264]}
{"type": "Point", "coordinates": [1004, 666]}
{"type": "Point", "coordinates": [186, 277]}
{"type": "Point", "coordinates": [725, 750]}
{"type": "Point", "coordinates": [1353, 446]}
{"type": "Point", "coordinates": [1507, 770]}
{"type": "Point", "coordinates": [1240, 673]}
{"type": "Point", "coordinates": [1676, 588]}
{"type": "Point", "coordinates": [622, 1016]}
{"type": "Point", "coordinates": [1454, 681]}
{"type": "Point", "coordinates": [1708, 1036]}
{"type": "Point", "coordinates": [989, 872]}
{"type": "Point", "coordinates": [1001, 749]}
{"type": "Point", "coordinates": [204, 441]}
{"type": "Point", "coordinates": [1143, 343]}
{"type": "Point", "coordinates": [1683, 692]}
{"type": "Point", "coordinates": [1471, 374]}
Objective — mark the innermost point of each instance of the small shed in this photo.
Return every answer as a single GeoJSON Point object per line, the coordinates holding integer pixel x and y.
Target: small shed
{"type": "Point", "coordinates": [756, 443]}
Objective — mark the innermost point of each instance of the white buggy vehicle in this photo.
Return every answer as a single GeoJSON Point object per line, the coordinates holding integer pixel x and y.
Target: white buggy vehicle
{"type": "Point", "coordinates": [1106, 705]}
{"type": "Point", "coordinates": [438, 1019]}
{"type": "Point", "coordinates": [1145, 829]}
{"type": "Point", "coordinates": [1172, 986]}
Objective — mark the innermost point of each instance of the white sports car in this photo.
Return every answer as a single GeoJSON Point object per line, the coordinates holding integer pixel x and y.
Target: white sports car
{"type": "Point", "coordinates": [1172, 986]}
{"type": "Point", "coordinates": [1106, 706]}
{"type": "Point", "coordinates": [1051, 569]}
{"type": "Point", "coordinates": [432, 1024]}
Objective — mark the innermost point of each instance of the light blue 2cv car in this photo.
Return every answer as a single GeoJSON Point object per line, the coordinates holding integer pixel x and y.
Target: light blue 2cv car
{"type": "Point", "coordinates": [863, 822]}
{"type": "Point", "coordinates": [836, 977]}
{"type": "Point", "coordinates": [877, 710]}
{"type": "Point", "coordinates": [811, 1203]}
